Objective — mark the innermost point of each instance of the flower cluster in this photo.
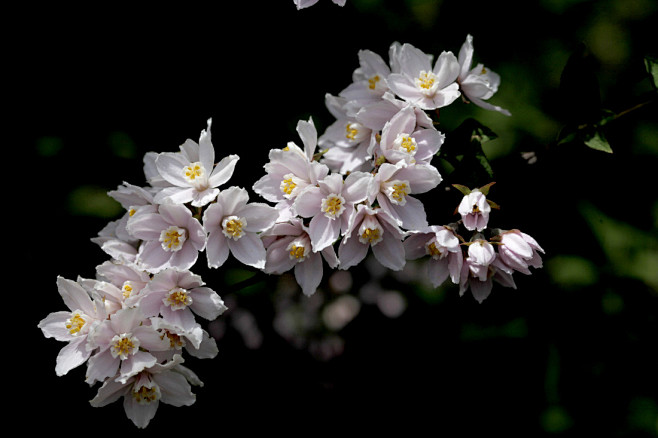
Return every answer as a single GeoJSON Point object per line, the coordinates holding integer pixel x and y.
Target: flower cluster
{"type": "Point", "coordinates": [353, 190]}
{"type": "Point", "coordinates": [132, 324]}
{"type": "Point", "coordinates": [331, 201]}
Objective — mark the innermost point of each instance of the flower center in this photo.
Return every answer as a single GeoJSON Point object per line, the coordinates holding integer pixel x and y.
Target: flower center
{"type": "Point", "coordinates": [194, 172]}
{"type": "Point", "coordinates": [232, 227]}
{"type": "Point", "coordinates": [290, 185]}
{"type": "Point", "coordinates": [177, 299]}
{"type": "Point", "coordinates": [397, 191]}
{"type": "Point", "coordinates": [406, 143]}
{"type": "Point", "coordinates": [333, 206]}
{"type": "Point", "coordinates": [298, 250]}
{"type": "Point", "coordinates": [172, 238]}
{"type": "Point", "coordinates": [124, 345]}
{"type": "Point", "coordinates": [75, 323]}
{"type": "Point", "coordinates": [370, 236]}
{"type": "Point", "coordinates": [433, 250]}
{"type": "Point", "coordinates": [372, 82]}
{"type": "Point", "coordinates": [146, 395]}
{"type": "Point", "coordinates": [127, 289]}
{"type": "Point", "coordinates": [426, 81]}
{"type": "Point", "coordinates": [352, 130]}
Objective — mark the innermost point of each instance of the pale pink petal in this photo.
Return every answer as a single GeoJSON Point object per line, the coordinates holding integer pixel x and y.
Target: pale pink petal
{"type": "Point", "coordinates": [248, 249]}
{"type": "Point", "coordinates": [309, 274]}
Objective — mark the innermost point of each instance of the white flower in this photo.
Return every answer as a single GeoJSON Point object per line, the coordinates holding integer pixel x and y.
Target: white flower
{"type": "Point", "coordinates": [330, 205]}
{"type": "Point", "coordinates": [347, 141]}
{"type": "Point", "coordinates": [289, 247]}
{"type": "Point", "coordinates": [123, 342]}
{"type": "Point", "coordinates": [402, 140]}
{"type": "Point", "coordinates": [429, 87]}
{"type": "Point", "coordinates": [369, 80]}
{"type": "Point", "coordinates": [73, 326]}
{"type": "Point", "coordinates": [192, 172]}
{"type": "Point", "coordinates": [443, 249]}
{"type": "Point", "coordinates": [171, 237]}
{"type": "Point", "coordinates": [233, 226]}
{"type": "Point", "coordinates": [167, 383]}
{"type": "Point", "coordinates": [292, 168]}
{"type": "Point", "coordinates": [375, 115]}
{"type": "Point", "coordinates": [474, 210]}
{"type": "Point", "coordinates": [393, 186]}
{"type": "Point", "coordinates": [126, 278]}
{"type": "Point", "coordinates": [372, 228]}
{"type": "Point", "coordinates": [177, 295]}
{"type": "Point", "coordinates": [478, 83]}
{"type": "Point", "coordinates": [480, 268]}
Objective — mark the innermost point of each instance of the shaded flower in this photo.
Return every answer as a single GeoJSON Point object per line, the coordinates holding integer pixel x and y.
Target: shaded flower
{"type": "Point", "coordinates": [444, 251]}
{"type": "Point", "coordinates": [372, 228]}
{"type": "Point", "coordinates": [289, 247]}
{"type": "Point", "coordinates": [168, 383]}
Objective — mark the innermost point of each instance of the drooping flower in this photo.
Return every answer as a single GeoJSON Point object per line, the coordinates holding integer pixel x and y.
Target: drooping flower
{"type": "Point", "coordinates": [375, 229]}
{"type": "Point", "coordinates": [474, 210]}
{"type": "Point", "coordinates": [73, 326]}
{"type": "Point", "coordinates": [480, 269]}
{"type": "Point", "coordinates": [124, 342]}
{"type": "Point", "coordinates": [234, 225]}
{"type": "Point", "coordinates": [171, 237]}
{"type": "Point", "coordinates": [429, 87]}
{"type": "Point", "coordinates": [518, 251]}
{"type": "Point", "coordinates": [393, 186]}
{"type": "Point", "coordinates": [444, 251]}
{"type": "Point", "coordinates": [330, 205]}
{"type": "Point", "coordinates": [289, 247]}
{"type": "Point", "coordinates": [478, 83]}
{"type": "Point", "coordinates": [168, 383]}
{"type": "Point", "coordinates": [192, 172]}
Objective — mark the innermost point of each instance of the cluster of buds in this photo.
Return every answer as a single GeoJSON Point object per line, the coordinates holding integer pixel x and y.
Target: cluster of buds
{"type": "Point", "coordinates": [474, 263]}
{"type": "Point", "coordinates": [330, 202]}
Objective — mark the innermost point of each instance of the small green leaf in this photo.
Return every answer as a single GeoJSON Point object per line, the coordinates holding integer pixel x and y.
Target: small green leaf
{"type": "Point", "coordinates": [463, 189]}
{"type": "Point", "coordinates": [599, 142]}
{"type": "Point", "coordinates": [651, 64]}
{"type": "Point", "coordinates": [485, 188]}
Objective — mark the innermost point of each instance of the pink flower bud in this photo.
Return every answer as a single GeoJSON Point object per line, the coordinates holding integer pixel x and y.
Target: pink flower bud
{"type": "Point", "coordinates": [474, 210]}
{"type": "Point", "coordinates": [518, 251]}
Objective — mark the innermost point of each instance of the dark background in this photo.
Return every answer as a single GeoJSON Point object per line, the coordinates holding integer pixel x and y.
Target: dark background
{"type": "Point", "coordinates": [570, 352]}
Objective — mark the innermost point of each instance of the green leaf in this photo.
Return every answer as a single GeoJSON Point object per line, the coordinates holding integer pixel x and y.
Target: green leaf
{"type": "Point", "coordinates": [651, 64]}
{"type": "Point", "coordinates": [463, 189]}
{"type": "Point", "coordinates": [599, 142]}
